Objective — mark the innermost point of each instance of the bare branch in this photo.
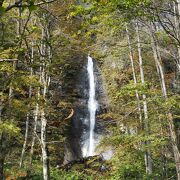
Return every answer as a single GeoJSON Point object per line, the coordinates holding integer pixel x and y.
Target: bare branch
{"type": "Point", "coordinates": [18, 4]}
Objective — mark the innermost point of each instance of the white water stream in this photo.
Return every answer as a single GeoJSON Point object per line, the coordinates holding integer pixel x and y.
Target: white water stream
{"type": "Point", "coordinates": [89, 147]}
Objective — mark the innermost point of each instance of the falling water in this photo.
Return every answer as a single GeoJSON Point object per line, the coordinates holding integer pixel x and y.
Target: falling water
{"type": "Point", "coordinates": [92, 107]}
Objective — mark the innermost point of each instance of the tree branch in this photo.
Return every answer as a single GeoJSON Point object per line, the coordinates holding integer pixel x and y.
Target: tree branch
{"type": "Point", "coordinates": [19, 4]}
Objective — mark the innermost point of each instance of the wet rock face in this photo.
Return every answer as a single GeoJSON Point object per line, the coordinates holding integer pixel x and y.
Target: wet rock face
{"type": "Point", "coordinates": [80, 120]}
{"type": "Point", "coordinates": [80, 112]}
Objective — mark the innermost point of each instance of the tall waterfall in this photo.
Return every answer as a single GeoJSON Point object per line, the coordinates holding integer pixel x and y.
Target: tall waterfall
{"type": "Point", "coordinates": [89, 147]}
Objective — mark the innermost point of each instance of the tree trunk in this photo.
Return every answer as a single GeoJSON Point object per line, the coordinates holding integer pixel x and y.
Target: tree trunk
{"type": "Point", "coordinates": [148, 160]}
{"type": "Point", "coordinates": [28, 114]}
{"type": "Point", "coordinates": [174, 144]}
{"type": "Point", "coordinates": [157, 58]}
{"type": "Point", "coordinates": [134, 74]}
{"type": "Point", "coordinates": [45, 81]}
{"type": "Point", "coordinates": [44, 147]}
{"type": "Point", "coordinates": [25, 141]}
{"type": "Point", "coordinates": [36, 113]}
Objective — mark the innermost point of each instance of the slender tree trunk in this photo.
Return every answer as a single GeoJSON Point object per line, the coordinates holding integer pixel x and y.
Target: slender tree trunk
{"type": "Point", "coordinates": [148, 160]}
{"type": "Point", "coordinates": [25, 137]}
{"type": "Point", "coordinates": [36, 113]}
{"type": "Point", "coordinates": [134, 74]}
{"type": "Point", "coordinates": [44, 147]}
{"type": "Point", "coordinates": [157, 58]}
{"type": "Point", "coordinates": [11, 88]}
{"type": "Point", "coordinates": [174, 144]}
{"type": "Point", "coordinates": [163, 87]}
{"type": "Point", "coordinates": [28, 114]}
{"type": "Point", "coordinates": [25, 141]}
{"type": "Point", "coordinates": [44, 78]}
{"type": "Point", "coordinates": [19, 22]}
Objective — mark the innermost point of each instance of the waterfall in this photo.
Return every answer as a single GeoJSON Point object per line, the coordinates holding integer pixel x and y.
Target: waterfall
{"type": "Point", "coordinates": [92, 106]}
{"type": "Point", "coordinates": [89, 146]}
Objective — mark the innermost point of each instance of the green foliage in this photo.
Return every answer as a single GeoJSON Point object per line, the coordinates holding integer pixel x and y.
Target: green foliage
{"type": "Point", "coordinates": [64, 175]}
{"type": "Point", "coordinates": [9, 128]}
{"type": "Point", "coordinates": [2, 10]}
{"type": "Point", "coordinates": [32, 7]}
{"type": "Point", "coordinates": [6, 67]}
{"type": "Point", "coordinates": [131, 89]}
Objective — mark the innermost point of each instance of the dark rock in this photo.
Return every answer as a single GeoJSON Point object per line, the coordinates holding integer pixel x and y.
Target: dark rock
{"type": "Point", "coordinates": [88, 162]}
{"type": "Point", "coordinates": [79, 89]}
